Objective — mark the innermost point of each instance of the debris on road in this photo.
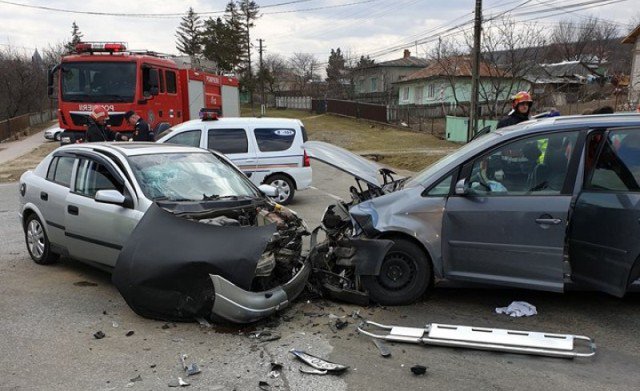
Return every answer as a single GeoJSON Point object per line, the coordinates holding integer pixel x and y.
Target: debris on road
{"type": "Point", "coordinates": [264, 386]}
{"type": "Point", "coordinates": [311, 371]}
{"type": "Point", "coordinates": [129, 333]}
{"type": "Point", "coordinates": [178, 383]}
{"type": "Point", "coordinates": [265, 336]}
{"type": "Point", "coordinates": [500, 340]}
{"type": "Point", "coordinates": [340, 324]}
{"type": "Point", "coordinates": [99, 335]}
{"type": "Point", "coordinates": [318, 363]}
{"type": "Point", "coordinates": [135, 379]}
{"type": "Point", "coordinates": [419, 370]}
{"type": "Point", "coordinates": [203, 322]}
{"type": "Point", "coordinates": [190, 369]}
{"type": "Point", "coordinates": [517, 309]}
{"type": "Point", "coordinates": [382, 347]}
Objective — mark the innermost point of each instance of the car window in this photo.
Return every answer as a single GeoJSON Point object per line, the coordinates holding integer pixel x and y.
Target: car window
{"type": "Point", "coordinates": [171, 82]}
{"type": "Point", "coordinates": [93, 176]}
{"type": "Point", "coordinates": [532, 166]}
{"type": "Point", "coordinates": [228, 141]}
{"type": "Point", "coordinates": [62, 171]}
{"type": "Point", "coordinates": [274, 139]}
{"type": "Point", "coordinates": [305, 138]}
{"type": "Point", "coordinates": [441, 189]}
{"type": "Point", "coordinates": [618, 166]}
{"type": "Point", "coordinates": [190, 138]}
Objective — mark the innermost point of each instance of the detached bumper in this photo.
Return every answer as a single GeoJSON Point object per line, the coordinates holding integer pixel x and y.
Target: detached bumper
{"type": "Point", "coordinates": [240, 306]}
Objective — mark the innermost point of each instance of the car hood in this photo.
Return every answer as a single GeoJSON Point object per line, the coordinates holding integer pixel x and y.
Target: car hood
{"type": "Point", "coordinates": [345, 161]}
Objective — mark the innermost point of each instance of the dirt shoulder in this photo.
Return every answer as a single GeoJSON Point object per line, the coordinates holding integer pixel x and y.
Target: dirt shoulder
{"type": "Point", "coordinates": [12, 170]}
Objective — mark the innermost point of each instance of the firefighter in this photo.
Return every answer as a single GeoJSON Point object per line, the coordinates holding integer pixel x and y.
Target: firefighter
{"type": "Point", "coordinates": [97, 127]}
{"type": "Point", "coordinates": [141, 129]}
{"type": "Point", "coordinates": [521, 104]}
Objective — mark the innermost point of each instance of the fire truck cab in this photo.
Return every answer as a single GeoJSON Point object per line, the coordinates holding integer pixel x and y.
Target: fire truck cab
{"type": "Point", "coordinates": [158, 89]}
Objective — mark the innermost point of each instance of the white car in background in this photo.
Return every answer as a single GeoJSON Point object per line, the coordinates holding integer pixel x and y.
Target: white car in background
{"type": "Point", "coordinates": [267, 150]}
{"type": "Point", "coordinates": [53, 133]}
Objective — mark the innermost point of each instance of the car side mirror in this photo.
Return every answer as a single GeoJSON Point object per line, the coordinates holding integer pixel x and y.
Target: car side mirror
{"type": "Point", "coordinates": [268, 190]}
{"type": "Point", "coordinates": [110, 197]}
{"type": "Point", "coordinates": [461, 187]}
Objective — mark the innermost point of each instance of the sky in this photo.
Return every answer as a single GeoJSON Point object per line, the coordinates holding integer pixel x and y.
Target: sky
{"type": "Point", "coordinates": [380, 28]}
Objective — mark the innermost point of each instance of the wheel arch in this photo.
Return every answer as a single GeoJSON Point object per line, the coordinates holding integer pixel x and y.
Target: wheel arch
{"type": "Point", "coordinates": [391, 235]}
{"type": "Point", "coordinates": [30, 210]}
{"type": "Point", "coordinates": [268, 177]}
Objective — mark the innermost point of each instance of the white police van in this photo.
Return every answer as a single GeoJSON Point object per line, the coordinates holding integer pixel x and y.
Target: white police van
{"type": "Point", "coordinates": [267, 150]}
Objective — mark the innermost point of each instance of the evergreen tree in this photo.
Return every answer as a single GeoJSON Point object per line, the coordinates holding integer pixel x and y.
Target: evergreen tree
{"type": "Point", "coordinates": [189, 34]}
{"type": "Point", "coordinates": [222, 44]}
{"type": "Point", "coordinates": [365, 61]}
{"type": "Point", "coordinates": [335, 67]}
{"type": "Point", "coordinates": [76, 37]}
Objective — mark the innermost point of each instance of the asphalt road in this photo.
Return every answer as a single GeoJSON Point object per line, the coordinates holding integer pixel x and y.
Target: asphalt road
{"type": "Point", "coordinates": [50, 313]}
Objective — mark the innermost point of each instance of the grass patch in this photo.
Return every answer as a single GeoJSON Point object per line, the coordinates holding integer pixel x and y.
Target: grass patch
{"type": "Point", "coordinates": [409, 161]}
{"type": "Point", "coordinates": [12, 170]}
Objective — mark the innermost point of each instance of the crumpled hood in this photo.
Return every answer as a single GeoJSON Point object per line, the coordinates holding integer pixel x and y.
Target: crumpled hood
{"type": "Point", "coordinates": [345, 161]}
{"type": "Point", "coordinates": [163, 271]}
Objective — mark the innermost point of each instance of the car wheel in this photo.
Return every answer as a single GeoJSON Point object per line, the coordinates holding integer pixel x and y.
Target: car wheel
{"type": "Point", "coordinates": [57, 136]}
{"type": "Point", "coordinates": [285, 187]}
{"type": "Point", "coordinates": [38, 243]}
{"type": "Point", "coordinates": [404, 276]}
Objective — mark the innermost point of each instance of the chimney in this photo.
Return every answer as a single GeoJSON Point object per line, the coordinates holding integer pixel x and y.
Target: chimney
{"type": "Point", "coordinates": [407, 53]}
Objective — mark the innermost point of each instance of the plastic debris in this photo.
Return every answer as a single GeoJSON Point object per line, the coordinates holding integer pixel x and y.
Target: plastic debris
{"type": "Point", "coordinates": [99, 335]}
{"type": "Point", "coordinates": [265, 336]}
{"type": "Point", "coordinates": [419, 370]}
{"type": "Point", "coordinates": [264, 386]}
{"type": "Point", "coordinates": [115, 324]}
{"type": "Point", "coordinates": [340, 324]}
{"type": "Point", "coordinates": [190, 369]}
{"type": "Point", "coordinates": [178, 383]}
{"type": "Point", "coordinates": [318, 363]}
{"type": "Point", "coordinates": [135, 379]}
{"type": "Point", "coordinates": [203, 322]}
{"type": "Point", "coordinates": [517, 309]}
{"type": "Point", "coordinates": [312, 371]}
{"type": "Point", "coordinates": [276, 367]}
{"type": "Point", "coordinates": [382, 347]}
{"type": "Point", "coordinates": [129, 333]}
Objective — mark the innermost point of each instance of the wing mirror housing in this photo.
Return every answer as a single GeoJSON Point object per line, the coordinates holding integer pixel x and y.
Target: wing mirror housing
{"type": "Point", "coordinates": [110, 197]}
{"type": "Point", "coordinates": [268, 190]}
{"type": "Point", "coordinates": [461, 188]}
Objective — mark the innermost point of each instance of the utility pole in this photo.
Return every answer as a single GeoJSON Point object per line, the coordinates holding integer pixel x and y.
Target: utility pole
{"type": "Point", "coordinates": [261, 77]}
{"type": "Point", "coordinates": [248, 40]}
{"type": "Point", "coordinates": [475, 73]}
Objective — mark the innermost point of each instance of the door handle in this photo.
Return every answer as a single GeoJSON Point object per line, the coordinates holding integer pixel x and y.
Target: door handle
{"type": "Point", "coordinates": [44, 196]}
{"type": "Point", "coordinates": [73, 210]}
{"type": "Point", "coordinates": [549, 221]}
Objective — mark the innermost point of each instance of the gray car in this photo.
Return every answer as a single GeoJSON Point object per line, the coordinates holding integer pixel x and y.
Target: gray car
{"type": "Point", "coordinates": [552, 205]}
{"type": "Point", "coordinates": [184, 232]}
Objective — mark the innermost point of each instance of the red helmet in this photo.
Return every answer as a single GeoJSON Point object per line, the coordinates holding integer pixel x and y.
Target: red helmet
{"type": "Point", "coordinates": [99, 112]}
{"type": "Point", "coordinates": [521, 97]}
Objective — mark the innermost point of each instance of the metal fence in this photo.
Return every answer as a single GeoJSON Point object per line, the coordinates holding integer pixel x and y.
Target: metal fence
{"type": "Point", "coordinates": [17, 124]}
{"type": "Point", "coordinates": [350, 108]}
{"type": "Point", "coordinates": [294, 102]}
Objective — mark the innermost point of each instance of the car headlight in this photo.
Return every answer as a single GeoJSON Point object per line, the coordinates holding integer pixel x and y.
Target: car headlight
{"type": "Point", "coordinates": [266, 264]}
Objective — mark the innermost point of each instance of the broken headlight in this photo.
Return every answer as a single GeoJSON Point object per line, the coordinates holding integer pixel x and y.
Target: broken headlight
{"type": "Point", "coordinates": [266, 264]}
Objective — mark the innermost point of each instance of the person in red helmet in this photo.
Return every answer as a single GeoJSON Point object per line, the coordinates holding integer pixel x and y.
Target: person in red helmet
{"type": "Point", "coordinates": [521, 104]}
{"type": "Point", "coordinates": [97, 129]}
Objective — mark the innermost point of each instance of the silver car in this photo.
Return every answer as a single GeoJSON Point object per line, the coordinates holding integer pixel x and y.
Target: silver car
{"type": "Point", "coordinates": [184, 232]}
{"type": "Point", "coordinates": [552, 204]}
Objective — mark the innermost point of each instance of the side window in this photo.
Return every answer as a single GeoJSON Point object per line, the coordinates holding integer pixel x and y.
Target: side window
{"type": "Point", "coordinates": [532, 166]}
{"type": "Point", "coordinates": [441, 189]}
{"type": "Point", "coordinates": [52, 169]}
{"type": "Point", "coordinates": [190, 138]}
{"type": "Point", "coordinates": [171, 82]}
{"type": "Point", "coordinates": [93, 176]}
{"type": "Point", "coordinates": [62, 171]}
{"type": "Point", "coordinates": [618, 166]}
{"type": "Point", "coordinates": [228, 141]}
{"type": "Point", "coordinates": [276, 139]}
{"type": "Point", "coordinates": [161, 77]}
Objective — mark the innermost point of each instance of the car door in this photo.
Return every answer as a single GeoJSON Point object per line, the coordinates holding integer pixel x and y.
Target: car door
{"type": "Point", "coordinates": [97, 231]}
{"type": "Point", "coordinates": [53, 196]}
{"type": "Point", "coordinates": [604, 232]}
{"type": "Point", "coordinates": [236, 145]}
{"type": "Point", "coordinates": [508, 228]}
{"type": "Point", "coordinates": [275, 150]}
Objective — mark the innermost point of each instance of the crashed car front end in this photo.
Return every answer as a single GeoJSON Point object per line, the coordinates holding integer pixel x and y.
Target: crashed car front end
{"type": "Point", "coordinates": [236, 260]}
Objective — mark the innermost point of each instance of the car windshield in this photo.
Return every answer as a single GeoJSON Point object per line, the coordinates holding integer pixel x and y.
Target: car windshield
{"type": "Point", "coordinates": [98, 81]}
{"type": "Point", "coordinates": [450, 159]}
{"type": "Point", "coordinates": [189, 177]}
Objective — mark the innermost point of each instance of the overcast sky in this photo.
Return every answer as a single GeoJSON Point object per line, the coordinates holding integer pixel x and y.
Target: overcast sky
{"type": "Point", "coordinates": [368, 26]}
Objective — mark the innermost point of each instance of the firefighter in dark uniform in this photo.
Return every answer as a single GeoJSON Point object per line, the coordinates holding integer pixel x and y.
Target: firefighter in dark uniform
{"type": "Point", "coordinates": [141, 129]}
{"type": "Point", "coordinates": [521, 104]}
{"type": "Point", "coordinates": [97, 127]}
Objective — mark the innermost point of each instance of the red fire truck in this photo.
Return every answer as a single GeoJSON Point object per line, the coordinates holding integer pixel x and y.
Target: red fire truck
{"type": "Point", "coordinates": [161, 91]}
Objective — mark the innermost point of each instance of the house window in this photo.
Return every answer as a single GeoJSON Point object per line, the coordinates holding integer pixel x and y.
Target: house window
{"type": "Point", "coordinates": [405, 93]}
{"type": "Point", "coordinates": [431, 91]}
{"type": "Point", "coordinates": [417, 97]}
{"type": "Point", "coordinates": [374, 84]}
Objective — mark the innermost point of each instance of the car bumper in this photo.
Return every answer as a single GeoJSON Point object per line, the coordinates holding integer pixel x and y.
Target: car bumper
{"type": "Point", "coordinates": [240, 306]}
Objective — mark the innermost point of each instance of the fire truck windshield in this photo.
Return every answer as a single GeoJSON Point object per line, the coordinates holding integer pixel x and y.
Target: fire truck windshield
{"type": "Point", "coordinates": [98, 81]}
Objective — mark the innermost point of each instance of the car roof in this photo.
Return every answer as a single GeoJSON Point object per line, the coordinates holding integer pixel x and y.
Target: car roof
{"type": "Point", "coordinates": [230, 121]}
{"type": "Point", "coordinates": [133, 148]}
{"type": "Point", "coordinates": [572, 122]}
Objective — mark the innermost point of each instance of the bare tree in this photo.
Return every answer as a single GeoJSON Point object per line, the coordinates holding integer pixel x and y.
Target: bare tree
{"type": "Point", "coordinates": [22, 82]}
{"type": "Point", "coordinates": [275, 72]}
{"type": "Point", "coordinates": [571, 40]}
{"type": "Point", "coordinates": [304, 67]}
{"type": "Point", "coordinates": [448, 61]}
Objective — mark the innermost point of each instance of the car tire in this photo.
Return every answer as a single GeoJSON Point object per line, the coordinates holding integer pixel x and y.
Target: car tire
{"type": "Point", "coordinates": [404, 276]}
{"type": "Point", "coordinates": [285, 186]}
{"type": "Point", "coordinates": [57, 136]}
{"type": "Point", "coordinates": [38, 242]}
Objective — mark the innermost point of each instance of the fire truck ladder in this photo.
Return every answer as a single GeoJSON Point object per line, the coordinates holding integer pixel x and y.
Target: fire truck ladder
{"type": "Point", "coordinates": [502, 340]}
